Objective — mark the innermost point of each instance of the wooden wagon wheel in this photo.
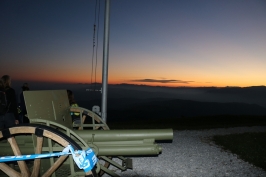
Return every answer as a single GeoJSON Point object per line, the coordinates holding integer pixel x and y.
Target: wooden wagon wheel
{"type": "Point", "coordinates": [100, 125]}
{"type": "Point", "coordinates": [97, 122]}
{"type": "Point", "coordinates": [39, 131]}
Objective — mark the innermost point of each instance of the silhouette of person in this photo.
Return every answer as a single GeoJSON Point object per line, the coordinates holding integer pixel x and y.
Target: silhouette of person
{"type": "Point", "coordinates": [75, 115]}
{"type": "Point", "coordinates": [22, 117]}
{"type": "Point", "coordinates": [10, 118]}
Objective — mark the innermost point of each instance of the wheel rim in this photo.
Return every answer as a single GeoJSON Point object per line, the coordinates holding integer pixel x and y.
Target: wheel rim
{"type": "Point", "coordinates": [39, 131]}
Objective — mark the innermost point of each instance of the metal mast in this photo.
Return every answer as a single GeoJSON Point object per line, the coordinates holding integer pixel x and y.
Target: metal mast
{"type": "Point", "coordinates": [105, 60]}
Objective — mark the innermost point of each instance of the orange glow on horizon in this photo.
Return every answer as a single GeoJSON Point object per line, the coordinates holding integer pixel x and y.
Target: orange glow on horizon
{"type": "Point", "coordinates": [77, 80]}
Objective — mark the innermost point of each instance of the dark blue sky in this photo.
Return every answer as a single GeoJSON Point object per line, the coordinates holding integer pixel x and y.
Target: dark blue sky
{"type": "Point", "coordinates": [155, 42]}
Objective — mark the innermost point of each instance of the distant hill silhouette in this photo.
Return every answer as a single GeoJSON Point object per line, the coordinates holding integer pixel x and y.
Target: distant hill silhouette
{"type": "Point", "coordinates": [184, 108]}
{"type": "Point", "coordinates": [149, 101]}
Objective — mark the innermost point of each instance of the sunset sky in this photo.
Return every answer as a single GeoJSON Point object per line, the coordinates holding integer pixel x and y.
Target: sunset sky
{"type": "Point", "coordinates": [152, 42]}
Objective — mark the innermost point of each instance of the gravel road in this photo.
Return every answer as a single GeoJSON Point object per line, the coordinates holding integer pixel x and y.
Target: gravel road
{"type": "Point", "coordinates": [192, 155]}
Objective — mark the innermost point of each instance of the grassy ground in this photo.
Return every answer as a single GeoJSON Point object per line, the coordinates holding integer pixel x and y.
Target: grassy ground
{"type": "Point", "coordinates": [250, 147]}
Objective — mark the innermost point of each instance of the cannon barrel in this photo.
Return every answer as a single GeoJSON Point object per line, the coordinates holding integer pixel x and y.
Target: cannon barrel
{"type": "Point", "coordinates": [110, 142]}
{"type": "Point", "coordinates": [125, 135]}
{"type": "Point", "coordinates": [153, 149]}
{"type": "Point", "coordinates": [124, 148]}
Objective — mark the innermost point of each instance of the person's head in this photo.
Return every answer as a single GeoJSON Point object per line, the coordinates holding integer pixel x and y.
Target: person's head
{"type": "Point", "coordinates": [25, 87]}
{"type": "Point", "coordinates": [7, 80]}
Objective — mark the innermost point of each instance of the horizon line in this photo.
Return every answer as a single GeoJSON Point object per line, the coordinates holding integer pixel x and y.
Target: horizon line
{"type": "Point", "coordinates": [98, 83]}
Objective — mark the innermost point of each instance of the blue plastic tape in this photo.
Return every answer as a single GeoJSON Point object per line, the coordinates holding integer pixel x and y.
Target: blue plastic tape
{"type": "Point", "coordinates": [85, 159]}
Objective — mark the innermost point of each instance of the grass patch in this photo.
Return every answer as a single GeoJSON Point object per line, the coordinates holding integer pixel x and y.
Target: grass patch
{"type": "Point", "coordinates": [250, 147]}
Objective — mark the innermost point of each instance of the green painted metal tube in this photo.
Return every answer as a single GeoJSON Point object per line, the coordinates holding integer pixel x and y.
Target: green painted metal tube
{"type": "Point", "coordinates": [108, 142]}
{"type": "Point", "coordinates": [130, 150]}
{"type": "Point", "coordinates": [102, 149]}
{"type": "Point", "coordinates": [125, 135]}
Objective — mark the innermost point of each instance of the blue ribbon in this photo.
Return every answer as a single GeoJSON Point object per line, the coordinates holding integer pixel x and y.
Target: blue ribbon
{"type": "Point", "coordinates": [29, 157]}
{"type": "Point", "coordinates": [85, 159]}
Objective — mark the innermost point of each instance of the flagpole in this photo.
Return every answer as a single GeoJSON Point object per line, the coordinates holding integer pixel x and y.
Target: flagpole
{"type": "Point", "coordinates": [105, 60]}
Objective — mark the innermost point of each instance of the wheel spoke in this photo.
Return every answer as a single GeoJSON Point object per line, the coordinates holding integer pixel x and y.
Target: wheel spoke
{"type": "Point", "coordinates": [37, 162]}
{"type": "Point", "coordinates": [8, 170]}
{"type": "Point", "coordinates": [52, 169]}
{"type": "Point", "coordinates": [22, 164]}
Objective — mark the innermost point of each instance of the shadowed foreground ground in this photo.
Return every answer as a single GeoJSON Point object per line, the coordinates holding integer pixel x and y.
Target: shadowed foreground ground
{"type": "Point", "coordinates": [192, 154]}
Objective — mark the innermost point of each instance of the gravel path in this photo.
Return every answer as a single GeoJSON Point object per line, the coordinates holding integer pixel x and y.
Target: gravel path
{"type": "Point", "coordinates": [192, 155]}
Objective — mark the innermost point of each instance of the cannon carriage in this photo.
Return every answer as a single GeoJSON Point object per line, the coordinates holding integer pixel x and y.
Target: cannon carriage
{"type": "Point", "coordinates": [51, 130]}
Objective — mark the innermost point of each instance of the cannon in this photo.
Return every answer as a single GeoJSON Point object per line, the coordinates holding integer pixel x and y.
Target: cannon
{"type": "Point", "coordinates": [51, 130]}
